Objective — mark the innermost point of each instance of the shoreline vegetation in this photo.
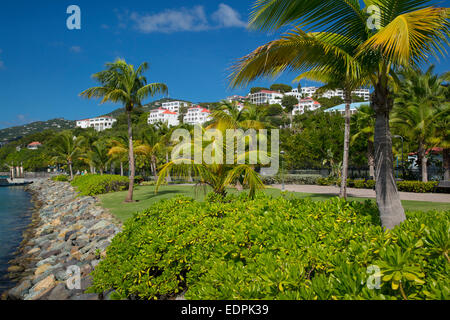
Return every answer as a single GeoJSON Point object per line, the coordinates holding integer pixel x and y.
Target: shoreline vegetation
{"type": "Point", "coordinates": [66, 230]}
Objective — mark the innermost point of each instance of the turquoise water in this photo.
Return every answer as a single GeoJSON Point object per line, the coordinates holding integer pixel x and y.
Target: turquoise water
{"type": "Point", "coordinates": [15, 216]}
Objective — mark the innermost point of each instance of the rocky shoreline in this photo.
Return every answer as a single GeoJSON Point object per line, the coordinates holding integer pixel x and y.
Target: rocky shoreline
{"type": "Point", "coordinates": [68, 233]}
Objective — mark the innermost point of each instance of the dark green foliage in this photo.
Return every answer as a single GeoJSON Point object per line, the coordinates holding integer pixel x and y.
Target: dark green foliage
{"type": "Point", "coordinates": [35, 127]}
{"type": "Point", "coordinates": [274, 248]}
{"type": "Point", "coordinates": [257, 89]}
{"type": "Point", "coordinates": [91, 184]}
{"type": "Point", "coordinates": [405, 186]}
{"type": "Point", "coordinates": [310, 179]}
{"type": "Point", "coordinates": [281, 87]}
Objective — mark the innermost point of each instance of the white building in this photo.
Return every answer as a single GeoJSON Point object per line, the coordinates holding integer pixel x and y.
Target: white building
{"type": "Point", "coordinates": [197, 116]}
{"type": "Point", "coordinates": [353, 108]}
{"type": "Point", "coordinates": [236, 98]}
{"type": "Point", "coordinates": [310, 91]}
{"type": "Point", "coordinates": [163, 116]}
{"type": "Point", "coordinates": [307, 104]}
{"type": "Point", "coordinates": [266, 97]}
{"type": "Point", "coordinates": [99, 123]}
{"type": "Point", "coordinates": [174, 106]}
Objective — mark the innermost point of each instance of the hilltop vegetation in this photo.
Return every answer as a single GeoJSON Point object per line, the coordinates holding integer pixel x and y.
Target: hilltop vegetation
{"type": "Point", "coordinates": [14, 133]}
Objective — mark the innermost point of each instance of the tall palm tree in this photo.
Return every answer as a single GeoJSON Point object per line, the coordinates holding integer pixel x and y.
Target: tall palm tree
{"type": "Point", "coordinates": [67, 148]}
{"type": "Point", "coordinates": [122, 82]}
{"type": "Point", "coordinates": [410, 30]}
{"type": "Point", "coordinates": [420, 102]}
{"type": "Point", "coordinates": [364, 121]}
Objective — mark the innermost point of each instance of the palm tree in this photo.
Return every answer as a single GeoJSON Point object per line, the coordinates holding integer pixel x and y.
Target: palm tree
{"type": "Point", "coordinates": [121, 82]}
{"type": "Point", "coordinates": [97, 156]}
{"type": "Point", "coordinates": [215, 174]}
{"type": "Point", "coordinates": [409, 32]}
{"type": "Point", "coordinates": [67, 148]}
{"type": "Point", "coordinates": [419, 104]}
{"type": "Point", "coordinates": [90, 136]}
{"type": "Point", "coordinates": [364, 121]}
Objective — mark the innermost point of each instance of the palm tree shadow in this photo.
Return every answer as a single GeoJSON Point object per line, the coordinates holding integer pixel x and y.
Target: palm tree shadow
{"type": "Point", "coordinates": [152, 194]}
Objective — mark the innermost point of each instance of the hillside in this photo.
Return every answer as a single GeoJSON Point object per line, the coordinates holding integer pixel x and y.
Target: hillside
{"type": "Point", "coordinates": [20, 131]}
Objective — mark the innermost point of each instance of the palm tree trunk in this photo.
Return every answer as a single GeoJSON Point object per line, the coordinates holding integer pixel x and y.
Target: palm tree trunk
{"type": "Point", "coordinates": [129, 197]}
{"type": "Point", "coordinates": [70, 169]}
{"type": "Point", "coordinates": [422, 159]}
{"type": "Point", "coordinates": [121, 168]}
{"type": "Point", "coordinates": [344, 175]}
{"type": "Point", "coordinates": [168, 178]}
{"type": "Point", "coordinates": [371, 159]}
{"type": "Point", "coordinates": [388, 199]}
{"type": "Point", "coordinates": [446, 163]}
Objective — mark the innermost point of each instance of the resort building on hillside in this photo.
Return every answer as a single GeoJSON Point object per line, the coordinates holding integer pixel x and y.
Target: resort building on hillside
{"type": "Point", "coordinates": [174, 106]}
{"type": "Point", "coordinates": [164, 116]}
{"type": "Point", "coordinates": [307, 104]}
{"type": "Point", "coordinates": [353, 108]}
{"type": "Point", "coordinates": [34, 145]}
{"type": "Point", "coordinates": [236, 98]}
{"type": "Point", "coordinates": [266, 97]}
{"type": "Point", "coordinates": [99, 123]}
{"type": "Point", "coordinates": [197, 116]}
{"type": "Point", "coordinates": [311, 91]}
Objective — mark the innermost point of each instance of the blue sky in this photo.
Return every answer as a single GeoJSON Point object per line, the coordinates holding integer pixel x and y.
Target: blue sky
{"type": "Point", "coordinates": [189, 44]}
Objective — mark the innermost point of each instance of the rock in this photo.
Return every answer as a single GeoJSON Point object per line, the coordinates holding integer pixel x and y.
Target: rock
{"type": "Point", "coordinates": [41, 269]}
{"type": "Point", "coordinates": [19, 291]}
{"type": "Point", "coordinates": [15, 269]}
{"type": "Point", "coordinates": [33, 251]}
{"type": "Point", "coordinates": [85, 296]}
{"type": "Point", "coordinates": [50, 260]}
{"type": "Point", "coordinates": [60, 292]}
{"type": "Point", "coordinates": [101, 225]}
{"type": "Point", "coordinates": [41, 288]}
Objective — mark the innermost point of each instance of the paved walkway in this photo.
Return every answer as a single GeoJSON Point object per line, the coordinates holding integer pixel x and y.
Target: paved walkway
{"type": "Point", "coordinates": [365, 193]}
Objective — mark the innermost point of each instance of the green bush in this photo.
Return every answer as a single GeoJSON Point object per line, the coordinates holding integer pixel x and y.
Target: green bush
{"type": "Point", "coordinates": [62, 178]}
{"type": "Point", "coordinates": [275, 248]}
{"type": "Point", "coordinates": [416, 186]}
{"type": "Point", "coordinates": [309, 179]}
{"type": "Point", "coordinates": [138, 179]}
{"type": "Point", "coordinates": [91, 184]}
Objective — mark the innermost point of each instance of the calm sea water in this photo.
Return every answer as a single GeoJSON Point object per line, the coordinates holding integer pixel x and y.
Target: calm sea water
{"type": "Point", "coordinates": [15, 216]}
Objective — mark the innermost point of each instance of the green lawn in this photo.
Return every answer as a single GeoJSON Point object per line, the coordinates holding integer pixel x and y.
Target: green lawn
{"type": "Point", "coordinates": [145, 196]}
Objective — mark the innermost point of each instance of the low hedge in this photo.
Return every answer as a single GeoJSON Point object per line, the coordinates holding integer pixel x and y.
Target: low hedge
{"type": "Point", "coordinates": [275, 248]}
{"type": "Point", "coordinates": [91, 184]}
{"type": "Point", "coordinates": [406, 186]}
{"type": "Point", "coordinates": [309, 179]}
{"type": "Point", "coordinates": [61, 178]}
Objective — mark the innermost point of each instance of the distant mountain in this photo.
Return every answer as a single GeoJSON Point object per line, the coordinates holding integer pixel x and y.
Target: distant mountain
{"type": "Point", "coordinates": [13, 133]}
{"type": "Point", "coordinates": [147, 107]}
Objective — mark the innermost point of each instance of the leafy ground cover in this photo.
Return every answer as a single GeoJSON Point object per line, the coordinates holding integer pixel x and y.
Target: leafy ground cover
{"type": "Point", "coordinates": [276, 248]}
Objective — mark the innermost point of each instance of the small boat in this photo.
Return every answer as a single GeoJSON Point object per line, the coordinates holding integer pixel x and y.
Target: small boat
{"type": "Point", "coordinates": [6, 182]}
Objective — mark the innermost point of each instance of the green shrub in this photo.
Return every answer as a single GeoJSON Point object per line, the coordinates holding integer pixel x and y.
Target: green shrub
{"type": "Point", "coordinates": [416, 186]}
{"type": "Point", "coordinates": [91, 184]}
{"type": "Point", "coordinates": [275, 248]}
{"type": "Point", "coordinates": [138, 179]}
{"type": "Point", "coordinates": [309, 179]}
{"type": "Point", "coordinates": [61, 178]}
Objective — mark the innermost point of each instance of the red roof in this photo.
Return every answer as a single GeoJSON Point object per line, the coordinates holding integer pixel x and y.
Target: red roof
{"type": "Point", "coordinates": [35, 143]}
{"type": "Point", "coordinates": [169, 112]}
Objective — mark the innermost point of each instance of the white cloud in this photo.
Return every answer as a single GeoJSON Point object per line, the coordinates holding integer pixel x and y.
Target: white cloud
{"type": "Point", "coordinates": [184, 19]}
{"type": "Point", "coordinates": [75, 49]}
{"type": "Point", "coordinates": [227, 17]}
{"type": "Point", "coordinates": [170, 21]}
